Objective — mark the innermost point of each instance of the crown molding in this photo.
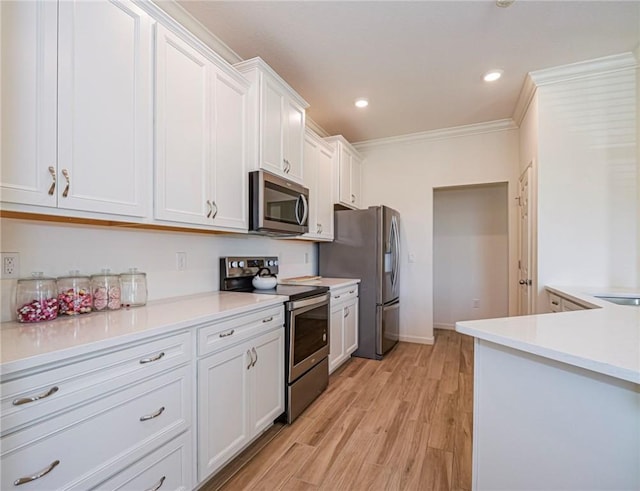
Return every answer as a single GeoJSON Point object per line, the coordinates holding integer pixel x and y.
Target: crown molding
{"type": "Point", "coordinates": [583, 69]}
{"type": "Point", "coordinates": [177, 13]}
{"type": "Point", "coordinates": [442, 134]}
{"type": "Point", "coordinates": [525, 97]}
{"type": "Point", "coordinates": [315, 127]}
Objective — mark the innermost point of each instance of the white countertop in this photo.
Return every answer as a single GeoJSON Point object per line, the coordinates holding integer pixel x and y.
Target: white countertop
{"type": "Point", "coordinates": [24, 346]}
{"type": "Point", "coordinates": [604, 339]}
{"type": "Point", "coordinates": [332, 283]}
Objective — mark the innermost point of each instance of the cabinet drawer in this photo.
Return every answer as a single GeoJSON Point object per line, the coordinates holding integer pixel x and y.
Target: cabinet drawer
{"type": "Point", "coordinates": [95, 440]}
{"type": "Point", "coordinates": [344, 294]}
{"type": "Point", "coordinates": [76, 383]}
{"type": "Point", "coordinates": [167, 468]}
{"type": "Point", "coordinates": [568, 306]}
{"type": "Point", "coordinates": [227, 333]}
{"type": "Point", "coordinates": [555, 303]}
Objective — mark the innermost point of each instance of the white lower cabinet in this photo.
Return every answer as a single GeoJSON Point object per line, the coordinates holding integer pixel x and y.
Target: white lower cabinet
{"type": "Point", "coordinates": [240, 394]}
{"type": "Point", "coordinates": [343, 339]}
{"type": "Point", "coordinates": [78, 438]}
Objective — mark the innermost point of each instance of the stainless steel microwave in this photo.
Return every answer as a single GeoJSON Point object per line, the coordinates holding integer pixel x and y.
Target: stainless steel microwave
{"type": "Point", "coordinates": [277, 206]}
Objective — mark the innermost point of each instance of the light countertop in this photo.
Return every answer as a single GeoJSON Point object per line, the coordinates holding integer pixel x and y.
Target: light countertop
{"type": "Point", "coordinates": [26, 345]}
{"type": "Point", "coordinates": [332, 283]}
{"type": "Point", "coordinates": [605, 339]}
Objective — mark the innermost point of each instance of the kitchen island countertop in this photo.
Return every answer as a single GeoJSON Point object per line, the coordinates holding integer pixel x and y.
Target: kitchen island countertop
{"type": "Point", "coordinates": [24, 346]}
{"type": "Point", "coordinates": [605, 339]}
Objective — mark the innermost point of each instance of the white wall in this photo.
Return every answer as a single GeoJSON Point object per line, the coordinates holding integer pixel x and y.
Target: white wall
{"type": "Point", "coordinates": [403, 173]}
{"type": "Point", "coordinates": [588, 182]}
{"type": "Point", "coordinates": [55, 249]}
{"type": "Point", "coordinates": [470, 254]}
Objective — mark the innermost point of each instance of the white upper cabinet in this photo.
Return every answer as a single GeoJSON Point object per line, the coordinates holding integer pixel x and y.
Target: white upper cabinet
{"type": "Point", "coordinates": [318, 164]}
{"type": "Point", "coordinates": [348, 169]}
{"type": "Point", "coordinates": [96, 76]}
{"type": "Point", "coordinates": [200, 173]}
{"type": "Point", "coordinates": [276, 122]}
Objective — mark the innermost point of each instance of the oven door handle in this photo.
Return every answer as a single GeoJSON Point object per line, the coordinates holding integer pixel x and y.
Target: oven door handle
{"type": "Point", "coordinates": [316, 301]}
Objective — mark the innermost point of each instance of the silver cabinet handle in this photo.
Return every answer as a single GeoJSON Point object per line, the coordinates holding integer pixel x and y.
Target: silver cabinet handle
{"type": "Point", "coordinates": [52, 171]}
{"type": "Point", "coordinates": [147, 417]}
{"type": "Point", "coordinates": [42, 473]}
{"type": "Point", "coordinates": [250, 358]}
{"type": "Point", "coordinates": [65, 173]}
{"type": "Point", "coordinates": [552, 303]}
{"type": "Point", "coordinates": [346, 311]}
{"type": "Point", "coordinates": [210, 209]}
{"type": "Point", "coordinates": [226, 334]}
{"type": "Point", "coordinates": [152, 358]}
{"type": "Point", "coordinates": [337, 297]}
{"type": "Point", "coordinates": [25, 400]}
{"type": "Point", "coordinates": [157, 486]}
{"type": "Point", "coordinates": [268, 319]}
{"type": "Point", "coordinates": [256, 360]}
{"type": "Point", "coordinates": [353, 198]}
{"type": "Point", "coordinates": [215, 207]}
{"type": "Point", "coordinates": [351, 291]}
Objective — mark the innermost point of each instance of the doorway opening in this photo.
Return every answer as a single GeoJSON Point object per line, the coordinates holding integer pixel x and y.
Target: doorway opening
{"type": "Point", "coordinates": [470, 253]}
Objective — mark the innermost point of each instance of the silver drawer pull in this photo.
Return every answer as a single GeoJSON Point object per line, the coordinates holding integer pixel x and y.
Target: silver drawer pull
{"type": "Point", "coordinates": [268, 319]}
{"type": "Point", "coordinates": [25, 400]}
{"type": "Point", "coordinates": [251, 360]}
{"type": "Point", "coordinates": [554, 303]}
{"type": "Point", "coordinates": [147, 417]}
{"type": "Point", "coordinates": [153, 358]}
{"type": "Point", "coordinates": [337, 297]}
{"type": "Point", "coordinates": [42, 473]}
{"type": "Point", "coordinates": [351, 291]}
{"type": "Point", "coordinates": [256, 360]}
{"type": "Point", "coordinates": [159, 485]}
{"type": "Point", "coordinates": [226, 334]}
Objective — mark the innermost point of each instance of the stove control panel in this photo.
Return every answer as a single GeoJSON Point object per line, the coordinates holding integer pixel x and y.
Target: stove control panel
{"type": "Point", "coordinates": [246, 266]}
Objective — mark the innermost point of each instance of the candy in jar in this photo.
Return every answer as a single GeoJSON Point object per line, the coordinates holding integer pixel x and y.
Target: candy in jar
{"type": "Point", "coordinates": [36, 299]}
{"type": "Point", "coordinates": [105, 288]}
{"type": "Point", "coordinates": [74, 294]}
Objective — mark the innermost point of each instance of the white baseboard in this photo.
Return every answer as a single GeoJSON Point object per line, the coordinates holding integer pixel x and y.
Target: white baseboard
{"type": "Point", "coordinates": [417, 339]}
{"type": "Point", "coordinates": [450, 327]}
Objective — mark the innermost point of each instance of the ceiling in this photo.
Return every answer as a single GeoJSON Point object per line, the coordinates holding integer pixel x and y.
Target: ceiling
{"type": "Point", "coordinates": [420, 63]}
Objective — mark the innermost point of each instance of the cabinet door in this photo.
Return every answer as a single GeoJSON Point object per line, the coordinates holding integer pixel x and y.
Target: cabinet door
{"type": "Point", "coordinates": [350, 316]}
{"type": "Point", "coordinates": [324, 194]}
{"type": "Point", "coordinates": [223, 411]}
{"type": "Point", "coordinates": [28, 62]}
{"type": "Point", "coordinates": [310, 156]}
{"type": "Point", "coordinates": [268, 379]}
{"type": "Point", "coordinates": [229, 186]}
{"type": "Point", "coordinates": [272, 158]}
{"type": "Point", "coordinates": [356, 171]}
{"type": "Point", "coordinates": [182, 131]}
{"type": "Point", "coordinates": [104, 107]}
{"type": "Point", "coordinates": [344, 169]}
{"type": "Point", "coordinates": [336, 339]}
{"type": "Point", "coordinates": [293, 140]}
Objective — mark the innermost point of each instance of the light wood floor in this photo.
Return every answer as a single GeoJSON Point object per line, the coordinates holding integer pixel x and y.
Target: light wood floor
{"type": "Point", "coordinates": [403, 423]}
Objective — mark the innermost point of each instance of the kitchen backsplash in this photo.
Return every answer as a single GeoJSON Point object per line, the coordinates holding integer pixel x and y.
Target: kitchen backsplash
{"type": "Point", "coordinates": [55, 249]}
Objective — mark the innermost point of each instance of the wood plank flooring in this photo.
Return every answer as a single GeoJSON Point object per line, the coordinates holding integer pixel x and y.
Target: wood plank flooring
{"type": "Point", "coordinates": [403, 423]}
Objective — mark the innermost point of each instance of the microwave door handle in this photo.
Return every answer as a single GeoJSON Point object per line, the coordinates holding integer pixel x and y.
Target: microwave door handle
{"type": "Point", "coordinates": [297, 208]}
{"type": "Point", "coordinates": [305, 214]}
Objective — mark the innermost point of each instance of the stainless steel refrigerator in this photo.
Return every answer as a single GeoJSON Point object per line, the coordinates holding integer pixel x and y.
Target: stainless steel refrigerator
{"type": "Point", "coordinates": [367, 246]}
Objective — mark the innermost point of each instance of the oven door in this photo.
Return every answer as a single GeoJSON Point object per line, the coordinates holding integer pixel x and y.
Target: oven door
{"type": "Point", "coordinates": [308, 329]}
{"type": "Point", "coordinates": [278, 206]}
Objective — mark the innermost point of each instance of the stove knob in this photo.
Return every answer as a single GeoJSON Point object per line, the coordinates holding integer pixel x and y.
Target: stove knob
{"type": "Point", "coordinates": [275, 263]}
{"type": "Point", "coordinates": [234, 264]}
{"type": "Point", "coordinates": [241, 264]}
{"type": "Point", "coordinates": [270, 262]}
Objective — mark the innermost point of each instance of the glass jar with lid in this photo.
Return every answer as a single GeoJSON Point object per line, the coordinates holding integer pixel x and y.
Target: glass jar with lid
{"type": "Point", "coordinates": [134, 288]}
{"type": "Point", "coordinates": [74, 294]}
{"type": "Point", "coordinates": [36, 298]}
{"type": "Point", "coordinates": [105, 288]}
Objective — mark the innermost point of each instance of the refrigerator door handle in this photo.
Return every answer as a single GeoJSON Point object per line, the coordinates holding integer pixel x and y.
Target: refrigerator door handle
{"type": "Point", "coordinates": [396, 253]}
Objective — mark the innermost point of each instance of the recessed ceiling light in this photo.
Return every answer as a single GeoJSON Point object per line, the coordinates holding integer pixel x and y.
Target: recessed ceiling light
{"type": "Point", "coordinates": [492, 75]}
{"type": "Point", "coordinates": [361, 102]}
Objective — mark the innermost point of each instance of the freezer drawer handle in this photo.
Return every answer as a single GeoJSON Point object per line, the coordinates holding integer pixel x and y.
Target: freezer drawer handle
{"type": "Point", "coordinates": [147, 417]}
{"type": "Point", "coordinates": [226, 334]}
{"type": "Point", "coordinates": [159, 485]}
{"type": "Point", "coordinates": [153, 358]}
{"type": "Point", "coordinates": [25, 400]}
{"type": "Point", "coordinates": [42, 473]}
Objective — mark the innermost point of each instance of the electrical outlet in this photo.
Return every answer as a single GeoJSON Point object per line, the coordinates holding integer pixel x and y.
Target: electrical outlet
{"type": "Point", "coordinates": [476, 303]}
{"type": "Point", "coordinates": [10, 265]}
{"type": "Point", "coordinates": [181, 261]}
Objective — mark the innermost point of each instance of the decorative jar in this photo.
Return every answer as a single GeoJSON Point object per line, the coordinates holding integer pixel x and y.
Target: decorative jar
{"type": "Point", "coordinates": [105, 288]}
{"type": "Point", "coordinates": [74, 294]}
{"type": "Point", "coordinates": [36, 299]}
{"type": "Point", "coordinates": [134, 288]}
